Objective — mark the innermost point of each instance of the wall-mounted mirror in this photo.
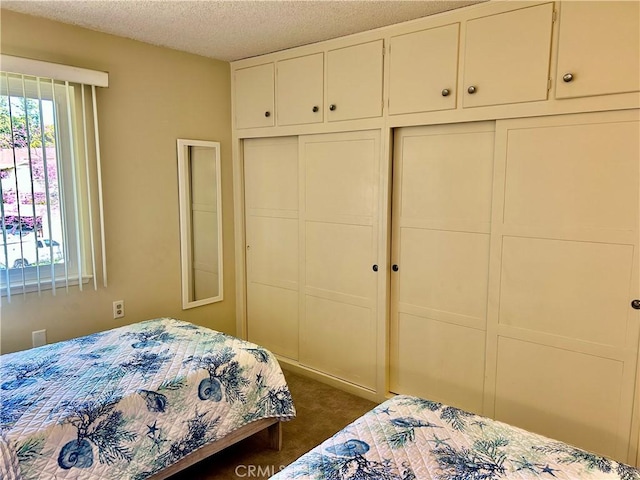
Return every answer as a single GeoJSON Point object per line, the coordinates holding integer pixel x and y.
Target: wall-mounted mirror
{"type": "Point", "coordinates": [200, 222]}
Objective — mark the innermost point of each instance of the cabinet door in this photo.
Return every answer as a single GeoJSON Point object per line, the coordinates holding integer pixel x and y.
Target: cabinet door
{"type": "Point", "coordinates": [424, 70]}
{"type": "Point", "coordinates": [300, 89]}
{"type": "Point", "coordinates": [354, 82]}
{"type": "Point", "coordinates": [506, 57]}
{"type": "Point", "coordinates": [441, 217]}
{"type": "Point", "coordinates": [254, 89]}
{"type": "Point", "coordinates": [564, 270]}
{"type": "Point", "coordinates": [271, 216]}
{"type": "Point", "coordinates": [339, 243]}
{"type": "Point", "coordinates": [599, 46]}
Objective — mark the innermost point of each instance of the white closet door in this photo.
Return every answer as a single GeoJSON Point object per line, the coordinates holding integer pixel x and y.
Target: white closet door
{"type": "Point", "coordinates": [563, 338]}
{"type": "Point", "coordinates": [441, 222]}
{"type": "Point", "coordinates": [339, 177]}
{"type": "Point", "coordinates": [271, 216]}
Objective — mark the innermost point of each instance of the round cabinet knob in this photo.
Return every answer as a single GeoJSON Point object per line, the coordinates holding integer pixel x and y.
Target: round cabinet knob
{"type": "Point", "coordinates": [394, 268]}
{"type": "Point", "coordinates": [332, 107]}
{"type": "Point", "coordinates": [472, 89]}
{"type": "Point", "coordinates": [267, 114]}
{"type": "Point", "coordinates": [636, 304]}
{"type": "Point", "coordinates": [567, 77]}
{"type": "Point", "coordinates": [375, 268]}
{"type": "Point", "coordinates": [315, 109]}
{"type": "Point", "coordinates": [445, 92]}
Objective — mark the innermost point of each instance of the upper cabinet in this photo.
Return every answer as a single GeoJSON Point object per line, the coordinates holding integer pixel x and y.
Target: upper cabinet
{"type": "Point", "coordinates": [254, 88]}
{"type": "Point", "coordinates": [354, 81]}
{"type": "Point", "coordinates": [423, 71]}
{"type": "Point", "coordinates": [598, 48]}
{"type": "Point", "coordinates": [506, 57]}
{"type": "Point", "coordinates": [300, 89]}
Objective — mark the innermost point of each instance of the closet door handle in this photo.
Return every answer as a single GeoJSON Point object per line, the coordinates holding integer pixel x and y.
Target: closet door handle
{"type": "Point", "coordinates": [472, 89]}
{"type": "Point", "coordinates": [315, 109]}
{"type": "Point", "coordinates": [567, 77]}
{"type": "Point", "coordinates": [267, 114]}
{"type": "Point", "coordinates": [395, 267]}
{"type": "Point", "coordinates": [636, 304]}
{"type": "Point", "coordinates": [375, 268]}
{"type": "Point", "coordinates": [332, 107]}
{"type": "Point", "coordinates": [445, 92]}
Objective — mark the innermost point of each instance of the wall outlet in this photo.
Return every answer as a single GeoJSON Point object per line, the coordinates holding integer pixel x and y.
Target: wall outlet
{"type": "Point", "coordinates": [39, 338]}
{"type": "Point", "coordinates": [118, 309]}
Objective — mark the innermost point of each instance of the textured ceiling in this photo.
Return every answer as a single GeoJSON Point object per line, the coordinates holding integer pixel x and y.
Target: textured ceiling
{"type": "Point", "coordinates": [231, 30]}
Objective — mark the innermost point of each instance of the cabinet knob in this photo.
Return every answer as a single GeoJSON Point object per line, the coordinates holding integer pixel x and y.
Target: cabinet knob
{"type": "Point", "coordinates": [375, 268]}
{"type": "Point", "coordinates": [332, 107]}
{"type": "Point", "coordinates": [315, 109]}
{"type": "Point", "coordinates": [567, 77]}
{"type": "Point", "coordinates": [472, 89]}
{"type": "Point", "coordinates": [394, 267]}
{"type": "Point", "coordinates": [445, 92]}
{"type": "Point", "coordinates": [267, 114]}
{"type": "Point", "coordinates": [636, 304]}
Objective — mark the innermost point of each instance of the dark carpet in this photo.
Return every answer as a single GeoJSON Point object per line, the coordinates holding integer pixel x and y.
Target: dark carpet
{"type": "Point", "coordinates": [321, 411]}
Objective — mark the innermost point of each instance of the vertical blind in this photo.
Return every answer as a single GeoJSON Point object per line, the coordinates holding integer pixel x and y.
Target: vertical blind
{"type": "Point", "coordinates": [52, 210]}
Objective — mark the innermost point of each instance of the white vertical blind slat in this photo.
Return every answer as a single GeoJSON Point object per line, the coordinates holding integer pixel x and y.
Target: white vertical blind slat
{"type": "Point", "coordinates": [88, 180]}
{"type": "Point", "coordinates": [99, 173]}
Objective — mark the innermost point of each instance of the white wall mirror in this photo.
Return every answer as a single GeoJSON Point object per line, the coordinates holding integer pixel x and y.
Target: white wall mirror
{"type": "Point", "coordinates": [200, 222]}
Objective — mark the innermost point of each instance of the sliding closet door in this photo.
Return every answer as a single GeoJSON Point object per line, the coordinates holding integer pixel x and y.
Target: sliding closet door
{"type": "Point", "coordinates": [441, 224]}
{"type": "Point", "coordinates": [564, 271]}
{"type": "Point", "coordinates": [339, 177]}
{"type": "Point", "coordinates": [271, 216]}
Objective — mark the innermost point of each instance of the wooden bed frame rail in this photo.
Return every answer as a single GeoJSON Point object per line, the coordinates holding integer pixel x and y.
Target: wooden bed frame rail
{"type": "Point", "coordinates": [273, 425]}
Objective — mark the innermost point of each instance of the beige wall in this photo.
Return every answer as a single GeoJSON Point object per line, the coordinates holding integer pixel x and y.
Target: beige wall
{"type": "Point", "coordinates": [155, 96]}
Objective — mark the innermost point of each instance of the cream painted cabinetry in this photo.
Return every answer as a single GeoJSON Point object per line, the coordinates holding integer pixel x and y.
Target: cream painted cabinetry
{"type": "Point", "coordinates": [562, 335]}
{"type": "Point", "coordinates": [311, 226]}
{"type": "Point", "coordinates": [598, 48]}
{"type": "Point", "coordinates": [300, 90]}
{"type": "Point", "coordinates": [506, 57]}
{"type": "Point", "coordinates": [254, 96]}
{"type": "Point", "coordinates": [423, 71]}
{"type": "Point", "coordinates": [354, 81]}
{"type": "Point", "coordinates": [440, 244]}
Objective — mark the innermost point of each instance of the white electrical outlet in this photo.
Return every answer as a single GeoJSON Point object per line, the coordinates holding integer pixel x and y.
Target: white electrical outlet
{"type": "Point", "coordinates": [39, 338]}
{"type": "Point", "coordinates": [118, 309]}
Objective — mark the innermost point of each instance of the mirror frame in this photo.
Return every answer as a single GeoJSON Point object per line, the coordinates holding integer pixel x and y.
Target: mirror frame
{"type": "Point", "coordinates": [186, 224]}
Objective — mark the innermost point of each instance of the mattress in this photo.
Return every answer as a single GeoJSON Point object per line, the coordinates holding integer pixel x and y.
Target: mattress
{"type": "Point", "coordinates": [408, 438]}
{"type": "Point", "coordinates": [129, 402]}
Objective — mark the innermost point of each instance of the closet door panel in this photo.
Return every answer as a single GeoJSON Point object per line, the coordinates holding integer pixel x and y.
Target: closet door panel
{"type": "Point", "coordinates": [439, 361]}
{"type": "Point", "coordinates": [340, 180]}
{"type": "Point", "coordinates": [440, 242]}
{"type": "Point", "coordinates": [445, 271]}
{"type": "Point", "coordinates": [564, 270]}
{"type": "Point", "coordinates": [445, 180]}
{"type": "Point", "coordinates": [273, 318]}
{"type": "Point", "coordinates": [576, 167]}
{"type": "Point", "coordinates": [581, 283]}
{"type": "Point", "coordinates": [339, 177]}
{"type": "Point", "coordinates": [272, 250]}
{"type": "Point", "coordinates": [338, 339]}
{"type": "Point", "coordinates": [568, 396]}
{"type": "Point", "coordinates": [271, 229]}
{"type": "Point", "coordinates": [338, 258]}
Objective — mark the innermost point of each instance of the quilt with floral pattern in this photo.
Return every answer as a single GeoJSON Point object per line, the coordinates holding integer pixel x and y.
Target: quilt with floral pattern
{"type": "Point", "coordinates": [129, 402]}
{"type": "Point", "coordinates": [409, 438]}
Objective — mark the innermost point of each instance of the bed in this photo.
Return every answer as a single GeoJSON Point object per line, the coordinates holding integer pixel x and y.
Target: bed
{"type": "Point", "coordinates": [136, 402]}
{"type": "Point", "coordinates": [408, 438]}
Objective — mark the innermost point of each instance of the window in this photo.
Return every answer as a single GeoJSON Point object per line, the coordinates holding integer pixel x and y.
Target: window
{"type": "Point", "coordinates": [50, 218]}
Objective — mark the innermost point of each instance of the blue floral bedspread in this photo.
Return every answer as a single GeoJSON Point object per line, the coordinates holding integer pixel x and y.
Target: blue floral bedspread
{"type": "Point", "coordinates": [408, 438]}
{"type": "Point", "coordinates": [128, 402]}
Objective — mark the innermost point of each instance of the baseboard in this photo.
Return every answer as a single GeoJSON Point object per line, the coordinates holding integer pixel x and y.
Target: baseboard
{"type": "Point", "coordinates": [295, 367]}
